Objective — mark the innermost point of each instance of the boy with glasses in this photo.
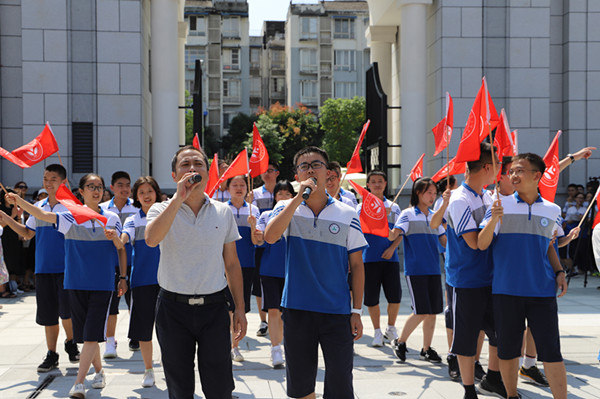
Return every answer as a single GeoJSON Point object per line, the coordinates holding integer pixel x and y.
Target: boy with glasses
{"type": "Point", "coordinates": [333, 185]}
{"type": "Point", "coordinates": [527, 272]}
{"type": "Point", "coordinates": [323, 236]}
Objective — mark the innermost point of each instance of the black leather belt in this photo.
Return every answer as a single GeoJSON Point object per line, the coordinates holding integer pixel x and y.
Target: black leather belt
{"type": "Point", "coordinates": [195, 300]}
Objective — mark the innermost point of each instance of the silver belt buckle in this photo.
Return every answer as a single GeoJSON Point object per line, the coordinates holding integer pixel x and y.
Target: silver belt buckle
{"type": "Point", "coordinates": [196, 301]}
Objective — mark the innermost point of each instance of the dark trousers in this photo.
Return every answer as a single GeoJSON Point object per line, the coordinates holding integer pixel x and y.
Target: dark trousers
{"type": "Point", "coordinates": [182, 330]}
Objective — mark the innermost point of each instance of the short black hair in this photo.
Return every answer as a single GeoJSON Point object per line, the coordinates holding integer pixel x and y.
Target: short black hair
{"type": "Point", "coordinates": [58, 169]}
{"type": "Point", "coordinates": [88, 176]}
{"type": "Point", "coordinates": [311, 149]}
{"type": "Point", "coordinates": [485, 157]}
{"type": "Point", "coordinates": [121, 174]}
{"type": "Point", "coordinates": [506, 162]}
{"type": "Point", "coordinates": [572, 185]}
{"type": "Point", "coordinates": [185, 148]}
{"type": "Point", "coordinates": [376, 173]}
{"type": "Point", "coordinates": [231, 178]}
{"type": "Point", "coordinates": [443, 184]}
{"type": "Point", "coordinates": [274, 164]}
{"type": "Point", "coordinates": [280, 186]}
{"type": "Point", "coordinates": [534, 159]}
{"type": "Point", "coordinates": [420, 185]}
{"type": "Point", "coordinates": [335, 166]}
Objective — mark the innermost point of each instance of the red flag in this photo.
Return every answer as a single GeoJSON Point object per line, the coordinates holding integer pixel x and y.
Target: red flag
{"type": "Point", "coordinates": [33, 152]}
{"type": "Point", "coordinates": [259, 160]}
{"type": "Point", "coordinates": [239, 166]}
{"type": "Point", "coordinates": [373, 216]}
{"type": "Point", "coordinates": [417, 170]}
{"type": "Point", "coordinates": [549, 180]}
{"type": "Point", "coordinates": [213, 176]}
{"type": "Point", "coordinates": [354, 165]}
{"type": "Point", "coordinates": [196, 141]}
{"type": "Point", "coordinates": [482, 117]}
{"type": "Point", "coordinates": [456, 168]}
{"type": "Point", "coordinates": [503, 139]}
{"type": "Point", "coordinates": [80, 212]}
{"type": "Point", "coordinates": [442, 132]}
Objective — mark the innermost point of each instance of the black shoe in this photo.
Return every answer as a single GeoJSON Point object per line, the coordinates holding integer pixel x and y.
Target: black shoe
{"type": "Point", "coordinates": [488, 387]}
{"type": "Point", "coordinates": [453, 369]}
{"type": "Point", "coordinates": [49, 363]}
{"type": "Point", "coordinates": [400, 350]}
{"type": "Point", "coordinates": [479, 372]}
{"type": "Point", "coordinates": [262, 329]}
{"type": "Point", "coordinates": [533, 374]}
{"type": "Point", "coordinates": [134, 345]}
{"type": "Point", "coordinates": [72, 350]}
{"type": "Point", "coordinates": [430, 355]}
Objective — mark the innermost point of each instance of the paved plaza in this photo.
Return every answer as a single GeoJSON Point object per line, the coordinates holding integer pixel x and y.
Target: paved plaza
{"type": "Point", "coordinates": [377, 373]}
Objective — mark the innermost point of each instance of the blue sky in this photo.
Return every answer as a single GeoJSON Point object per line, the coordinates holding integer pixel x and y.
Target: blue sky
{"type": "Point", "coordinates": [268, 10]}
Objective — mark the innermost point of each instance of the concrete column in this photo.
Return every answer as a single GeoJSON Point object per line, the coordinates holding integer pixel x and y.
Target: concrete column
{"type": "Point", "coordinates": [182, 34]}
{"type": "Point", "coordinates": [165, 89]}
{"type": "Point", "coordinates": [379, 40]}
{"type": "Point", "coordinates": [413, 81]}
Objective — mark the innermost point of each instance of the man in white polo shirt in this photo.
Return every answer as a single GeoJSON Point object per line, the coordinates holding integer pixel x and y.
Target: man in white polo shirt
{"type": "Point", "coordinates": [527, 272]}
{"type": "Point", "coordinates": [198, 259]}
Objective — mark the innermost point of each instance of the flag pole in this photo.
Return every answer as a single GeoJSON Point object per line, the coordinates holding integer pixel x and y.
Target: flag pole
{"type": "Point", "coordinates": [447, 157]}
{"type": "Point", "coordinates": [592, 202]}
{"type": "Point", "coordinates": [340, 185]}
{"type": "Point", "coordinates": [3, 188]}
{"type": "Point", "coordinates": [401, 188]}
{"type": "Point", "coordinates": [61, 164]}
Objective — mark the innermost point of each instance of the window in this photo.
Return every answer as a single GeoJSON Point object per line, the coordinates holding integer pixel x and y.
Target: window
{"type": "Point", "coordinates": [83, 147]}
{"type": "Point", "coordinates": [308, 28]}
{"type": "Point", "coordinates": [278, 85]}
{"type": "Point", "coordinates": [308, 60]}
{"type": "Point", "coordinates": [255, 57]}
{"type": "Point", "coordinates": [197, 25]}
{"type": "Point", "coordinates": [344, 89]}
{"type": "Point", "coordinates": [277, 59]}
{"type": "Point", "coordinates": [231, 27]}
{"type": "Point", "coordinates": [343, 60]}
{"type": "Point", "coordinates": [226, 120]}
{"type": "Point", "coordinates": [308, 92]}
{"type": "Point", "coordinates": [255, 86]}
{"type": "Point", "coordinates": [343, 28]}
{"type": "Point", "coordinates": [192, 54]}
{"type": "Point", "coordinates": [231, 59]}
{"type": "Point", "coordinates": [231, 90]}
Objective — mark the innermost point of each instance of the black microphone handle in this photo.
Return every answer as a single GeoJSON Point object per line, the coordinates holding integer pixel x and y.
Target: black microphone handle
{"type": "Point", "coordinates": [195, 179]}
{"type": "Point", "coordinates": [308, 190]}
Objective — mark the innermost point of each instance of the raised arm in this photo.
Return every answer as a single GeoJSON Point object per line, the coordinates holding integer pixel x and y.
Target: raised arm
{"type": "Point", "coordinates": [583, 153]}
{"type": "Point", "coordinates": [33, 210]}
{"type": "Point", "coordinates": [280, 223]}
{"type": "Point", "coordinates": [17, 227]}
{"type": "Point", "coordinates": [485, 236]}
{"type": "Point", "coordinates": [438, 216]}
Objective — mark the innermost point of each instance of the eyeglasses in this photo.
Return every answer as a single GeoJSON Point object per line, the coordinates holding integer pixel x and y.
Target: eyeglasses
{"type": "Point", "coordinates": [271, 170]}
{"type": "Point", "coordinates": [305, 166]}
{"type": "Point", "coordinates": [22, 186]}
{"type": "Point", "coordinates": [331, 179]}
{"type": "Point", "coordinates": [92, 187]}
{"type": "Point", "coordinates": [519, 171]}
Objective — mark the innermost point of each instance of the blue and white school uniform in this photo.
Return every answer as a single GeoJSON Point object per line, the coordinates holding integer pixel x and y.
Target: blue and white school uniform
{"type": "Point", "coordinates": [272, 267]}
{"type": "Point", "coordinates": [468, 272]}
{"type": "Point", "coordinates": [316, 295]}
{"type": "Point", "coordinates": [89, 273]}
{"type": "Point", "coordinates": [245, 247]}
{"type": "Point", "coordinates": [350, 196]}
{"type": "Point", "coordinates": [263, 199]}
{"type": "Point", "coordinates": [144, 282]}
{"type": "Point", "coordinates": [524, 282]}
{"type": "Point", "coordinates": [51, 298]}
{"type": "Point", "coordinates": [380, 272]}
{"type": "Point", "coordinates": [123, 213]}
{"type": "Point", "coordinates": [221, 196]}
{"type": "Point", "coordinates": [421, 260]}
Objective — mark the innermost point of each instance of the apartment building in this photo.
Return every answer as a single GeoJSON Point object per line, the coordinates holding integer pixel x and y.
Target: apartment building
{"type": "Point", "coordinates": [326, 51]}
{"type": "Point", "coordinates": [273, 63]}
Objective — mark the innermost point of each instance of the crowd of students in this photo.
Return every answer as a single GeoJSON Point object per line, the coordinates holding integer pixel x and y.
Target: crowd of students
{"type": "Point", "coordinates": [307, 261]}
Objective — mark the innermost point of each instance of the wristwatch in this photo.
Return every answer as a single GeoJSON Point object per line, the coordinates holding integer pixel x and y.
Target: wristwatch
{"type": "Point", "coordinates": [123, 278]}
{"type": "Point", "coordinates": [559, 271]}
{"type": "Point", "coordinates": [572, 158]}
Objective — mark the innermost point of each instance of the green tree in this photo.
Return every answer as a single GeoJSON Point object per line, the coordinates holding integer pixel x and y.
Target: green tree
{"type": "Point", "coordinates": [270, 135]}
{"type": "Point", "coordinates": [233, 142]}
{"type": "Point", "coordinates": [341, 121]}
{"type": "Point", "coordinates": [211, 140]}
{"type": "Point", "coordinates": [298, 127]}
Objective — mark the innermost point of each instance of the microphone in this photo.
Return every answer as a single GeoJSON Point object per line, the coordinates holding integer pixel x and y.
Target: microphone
{"type": "Point", "coordinates": [195, 179]}
{"type": "Point", "coordinates": [308, 190]}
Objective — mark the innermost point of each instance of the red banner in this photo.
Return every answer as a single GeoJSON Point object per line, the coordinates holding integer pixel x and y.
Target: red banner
{"type": "Point", "coordinates": [417, 170]}
{"type": "Point", "coordinates": [80, 212]}
{"type": "Point", "coordinates": [549, 179]}
{"type": "Point", "coordinates": [354, 165]}
{"type": "Point", "coordinates": [442, 132]}
{"type": "Point", "coordinates": [373, 216]}
{"type": "Point", "coordinates": [33, 152]}
{"type": "Point", "coordinates": [259, 160]}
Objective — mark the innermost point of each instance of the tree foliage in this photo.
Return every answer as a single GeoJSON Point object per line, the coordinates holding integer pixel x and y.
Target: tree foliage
{"type": "Point", "coordinates": [269, 133]}
{"type": "Point", "coordinates": [341, 121]}
{"type": "Point", "coordinates": [239, 126]}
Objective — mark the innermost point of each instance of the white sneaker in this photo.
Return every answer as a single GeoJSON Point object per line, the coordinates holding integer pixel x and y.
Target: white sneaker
{"type": "Point", "coordinates": [390, 333]}
{"type": "Point", "coordinates": [99, 380]}
{"type": "Point", "coordinates": [148, 380]}
{"type": "Point", "coordinates": [377, 339]}
{"type": "Point", "coordinates": [277, 356]}
{"type": "Point", "coordinates": [236, 356]}
{"type": "Point", "coordinates": [110, 349]}
{"type": "Point", "coordinates": [78, 391]}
